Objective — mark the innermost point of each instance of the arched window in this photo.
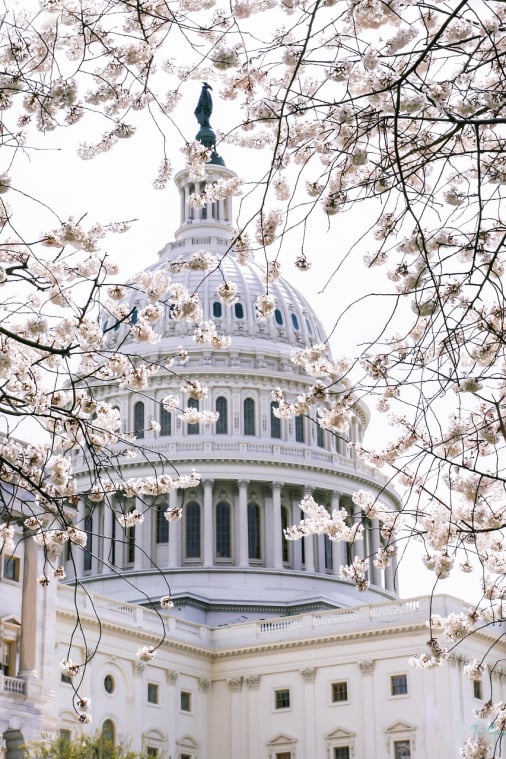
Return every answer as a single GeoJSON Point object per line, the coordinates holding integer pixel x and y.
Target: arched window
{"type": "Point", "coordinates": [130, 543]}
{"type": "Point", "coordinates": [249, 416]}
{"type": "Point", "coordinates": [88, 528]}
{"type": "Point", "coordinates": [162, 526]}
{"type": "Point", "coordinates": [217, 309]}
{"type": "Point", "coordinates": [303, 543]}
{"type": "Point", "coordinates": [139, 419]}
{"type": "Point", "coordinates": [309, 327]}
{"type": "Point", "coordinates": [134, 318]}
{"type": "Point", "coordinates": [329, 560]}
{"type": "Point", "coordinates": [223, 531]}
{"type": "Point", "coordinates": [278, 317]}
{"type": "Point", "coordinates": [193, 429]}
{"type": "Point", "coordinates": [295, 322]}
{"type": "Point", "coordinates": [275, 421]}
{"type": "Point", "coordinates": [319, 437]}
{"type": "Point", "coordinates": [284, 542]}
{"type": "Point", "coordinates": [222, 423]}
{"type": "Point", "coordinates": [239, 311]}
{"type": "Point", "coordinates": [299, 429]}
{"type": "Point", "coordinates": [192, 530]}
{"type": "Point", "coordinates": [165, 421]}
{"type": "Point", "coordinates": [254, 531]}
{"type": "Point", "coordinates": [107, 740]}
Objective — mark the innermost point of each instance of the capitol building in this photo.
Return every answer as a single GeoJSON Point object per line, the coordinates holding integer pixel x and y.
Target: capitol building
{"type": "Point", "coordinates": [267, 653]}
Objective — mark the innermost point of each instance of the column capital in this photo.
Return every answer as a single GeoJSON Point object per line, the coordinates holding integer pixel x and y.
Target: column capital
{"type": "Point", "coordinates": [243, 483]}
{"type": "Point", "coordinates": [309, 674]}
{"type": "Point", "coordinates": [252, 681]}
{"type": "Point", "coordinates": [277, 485]}
{"type": "Point", "coordinates": [208, 482]}
{"type": "Point", "coordinates": [366, 666]}
{"type": "Point", "coordinates": [171, 676]}
{"type": "Point", "coordinates": [204, 684]}
{"type": "Point", "coordinates": [235, 683]}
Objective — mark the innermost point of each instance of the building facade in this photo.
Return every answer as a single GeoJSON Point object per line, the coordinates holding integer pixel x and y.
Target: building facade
{"type": "Point", "coordinates": [267, 653]}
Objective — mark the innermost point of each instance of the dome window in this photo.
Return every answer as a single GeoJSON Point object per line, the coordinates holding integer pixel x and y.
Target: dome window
{"type": "Point", "coordinates": [223, 531]}
{"type": "Point", "coordinates": [192, 530]}
{"type": "Point", "coordinates": [139, 419]}
{"type": "Point", "coordinates": [162, 525]}
{"type": "Point", "coordinates": [254, 552]}
{"type": "Point", "coordinates": [193, 429]}
{"type": "Point", "coordinates": [165, 422]}
{"type": "Point", "coordinates": [278, 317]}
{"type": "Point", "coordinates": [239, 311]}
{"type": "Point", "coordinates": [299, 429]}
{"type": "Point", "coordinates": [309, 327]}
{"type": "Point", "coordinates": [217, 309]}
{"type": "Point", "coordinates": [222, 423]}
{"type": "Point", "coordinates": [295, 322]}
{"type": "Point", "coordinates": [285, 551]}
{"type": "Point", "coordinates": [249, 416]}
{"type": "Point", "coordinates": [135, 315]}
{"type": "Point", "coordinates": [104, 326]}
{"type": "Point", "coordinates": [275, 421]}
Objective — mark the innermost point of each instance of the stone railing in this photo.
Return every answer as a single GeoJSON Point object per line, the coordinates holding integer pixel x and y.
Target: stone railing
{"type": "Point", "coordinates": [207, 447]}
{"type": "Point", "coordinates": [412, 611]}
{"type": "Point", "coordinates": [12, 685]}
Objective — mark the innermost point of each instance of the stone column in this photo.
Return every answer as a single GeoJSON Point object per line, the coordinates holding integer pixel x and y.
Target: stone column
{"type": "Point", "coordinates": [175, 535]}
{"type": "Point", "coordinates": [375, 573]}
{"type": "Point", "coordinates": [338, 549]}
{"type": "Point", "coordinates": [389, 576]}
{"type": "Point", "coordinates": [252, 723]}
{"type": "Point", "coordinates": [173, 710]}
{"type": "Point", "coordinates": [145, 536]}
{"type": "Point", "coordinates": [320, 554]}
{"type": "Point", "coordinates": [46, 637]}
{"type": "Point", "coordinates": [368, 729]}
{"type": "Point", "coordinates": [208, 524]}
{"type": "Point", "coordinates": [309, 747]}
{"type": "Point", "coordinates": [29, 610]}
{"type": "Point", "coordinates": [309, 545]}
{"type": "Point", "coordinates": [204, 685]}
{"type": "Point", "coordinates": [137, 694]}
{"type": "Point", "coordinates": [107, 533]}
{"type": "Point", "coordinates": [296, 544]}
{"type": "Point", "coordinates": [138, 536]}
{"type": "Point", "coordinates": [242, 524]}
{"type": "Point", "coordinates": [358, 547]}
{"type": "Point", "coordinates": [234, 715]}
{"type": "Point", "coordinates": [276, 526]}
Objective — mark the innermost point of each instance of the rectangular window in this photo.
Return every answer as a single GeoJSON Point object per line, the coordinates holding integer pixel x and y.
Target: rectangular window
{"type": "Point", "coordinates": [152, 752]}
{"type": "Point", "coordinates": [152, 693]}
{"type": "Point", "coordinates": [398, 685]}
{"type": "Point", "coordinates": [65, 736]}
{"type": "Point", "coordinates": [65, 679]}
{"type": "Point", "coordinates": [162, 525]}
{"type": "Point", "coordinates": [402, 750]}
{"type": "Point", "coordinates": [477, 690]}
{"type": "Point", "coordinates": [185, 756]}
{"type": "Point", "coordinates": [284, 755]}
{"type": "Point", "coordinates": [11, 568]}
{"type": "Point", "coordinates": [282, 699]}
{"type": "Point", "coordinates": [186, 701]}
{"type": "Point", "coordinates": [342, 752]}
{"type": "Point", "coordinates": [339, 691]}
{"type": "Point", "coordinates": [8, 658]}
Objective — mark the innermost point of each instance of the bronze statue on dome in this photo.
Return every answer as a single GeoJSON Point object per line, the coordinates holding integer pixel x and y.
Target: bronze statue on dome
{"type": "Point", "coordinates": [204, 107]}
